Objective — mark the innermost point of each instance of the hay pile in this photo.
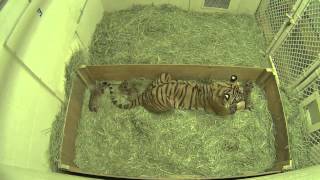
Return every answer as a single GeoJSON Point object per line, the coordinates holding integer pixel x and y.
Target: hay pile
{"type": "Point", "coordinates": [138, 143]}
{"type": "Point", "coordinates": [168, 35]}
{"type": "Point", "coordinates": [135, 142]}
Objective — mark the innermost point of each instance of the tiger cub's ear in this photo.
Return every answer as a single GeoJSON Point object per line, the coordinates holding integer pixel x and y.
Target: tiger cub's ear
{"type": "Point", "coordinates": [233, 78]}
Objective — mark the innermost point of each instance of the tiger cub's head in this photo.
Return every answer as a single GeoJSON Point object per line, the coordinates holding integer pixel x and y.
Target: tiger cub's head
{"type": "Point", "coordinates": [231, 96]}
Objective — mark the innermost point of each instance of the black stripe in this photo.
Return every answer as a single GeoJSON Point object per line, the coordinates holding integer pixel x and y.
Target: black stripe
{"type": "Point", "coordinates": [153, 103]}
{"type": "Point", "coordinates": [154, 98]}
{"type": "Point", "coordinates": [185, 94]}
{"type": "Point", "coordinates": [162, 95]}
{"type": "Point", "coordinates": [158, 92]}
{"type": "Point", "coordinates": [197, 98]}
{"type": "Point", "coordinates": [175, 88]}
{"type": "Point", "coordinates": [171, 88]}
{"type": "Point", "coordinates": [203, 89]}
{"type": "Point", "coordinates": [166, 77]}
{"type": "Point", "coordinates": [138, 98]}
{"type": "Point", "coordinates": [176, 91]}
{"type": "Point", "coordinates": [167, 87]}
{"type": "Point", "coordinates": [233, 94]}
{"type": "Point", "coordinates": [190, 105]}
{"type": "Point", "coordinates": [228, 90]}
{"type": "Point", "coordinates": [162, 76]}
{"type": "Point", "coordinates": [143, 97]}
{"type": "Point", "coordinates": [179, 93]}
{"type": "Point", "coordinates": [204, 97]}
{"type": "Point", "coordinates": [208, 90]}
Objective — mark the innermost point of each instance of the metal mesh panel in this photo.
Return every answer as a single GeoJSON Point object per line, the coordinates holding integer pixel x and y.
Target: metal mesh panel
{"type": "Point", "coordinates": [301, 47]}
{"type": "Point", "coordinates": [314, 139]}
{"type": "Point", "coordinates": [310, 89]}
{"type": "Point", "coordinates": [217, 3]}
{"type": "Point", "coordinates": [271, 14]}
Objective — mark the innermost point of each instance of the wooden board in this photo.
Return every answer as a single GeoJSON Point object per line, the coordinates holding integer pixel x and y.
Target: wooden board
{"type": "Point", "coordinates": [123, 72]}
{"type": "Point", "coordinates": [72, 118]}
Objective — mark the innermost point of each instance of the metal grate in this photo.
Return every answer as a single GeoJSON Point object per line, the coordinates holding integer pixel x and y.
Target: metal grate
{"type": "Point", "coordinates": [311, 88]}
{"type": "Point", "coordinates": [271, 14]}
{"type": "Point", "coordinates": [314, 139]}
{"type": "Point", "coordinates": [217, 3]}
{"type": "Point", "coordinates": [301, 47]}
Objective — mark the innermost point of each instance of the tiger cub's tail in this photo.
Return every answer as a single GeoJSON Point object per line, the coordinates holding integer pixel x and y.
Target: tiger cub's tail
{"type": "Point", "coordinates": [131, 104]}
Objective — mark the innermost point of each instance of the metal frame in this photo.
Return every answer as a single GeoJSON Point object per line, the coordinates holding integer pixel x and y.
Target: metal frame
{"type": "Point", "coordinates": [315, 97]}
{"type": "Point", "coordinates": [294, 51]}
{"type": "Point", "coordinates": [313, 128]}
{"type": "Point", "coordinates": [272, 15]}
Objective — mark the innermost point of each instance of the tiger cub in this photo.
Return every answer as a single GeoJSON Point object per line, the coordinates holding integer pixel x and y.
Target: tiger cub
{"type": "Point", "coordinates": [165, 94]}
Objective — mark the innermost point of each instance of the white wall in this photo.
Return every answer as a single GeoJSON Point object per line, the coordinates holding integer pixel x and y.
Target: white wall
{"type": "Point", "coordinates": [32, 63]}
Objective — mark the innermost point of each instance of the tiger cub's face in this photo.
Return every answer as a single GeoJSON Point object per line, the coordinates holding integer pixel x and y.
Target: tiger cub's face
{"type": "Point", "coordinates": [231, 96]}
{"type": "Point", "coordinates": [234, 96]}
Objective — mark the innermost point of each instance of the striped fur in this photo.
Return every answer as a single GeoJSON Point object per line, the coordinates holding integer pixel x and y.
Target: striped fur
{"type": "Point", "coordinates": [165, 94]}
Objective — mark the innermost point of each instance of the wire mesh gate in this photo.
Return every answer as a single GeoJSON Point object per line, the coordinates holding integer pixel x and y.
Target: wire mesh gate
{"type": "Point", "coordinates": [292, 31]}
{"type": "Point", "coordinates": [271, 14]}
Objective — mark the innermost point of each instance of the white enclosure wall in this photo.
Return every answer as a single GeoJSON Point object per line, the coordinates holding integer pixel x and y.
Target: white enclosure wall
{"type": "Point", "coordinates": [33, 55]}
{"type": "Point", "coordinates": [235, 6]}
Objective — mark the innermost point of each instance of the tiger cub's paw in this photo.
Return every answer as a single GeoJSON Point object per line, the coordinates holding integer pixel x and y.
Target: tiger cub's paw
{"type": "Point", "coordinates": [247, 91]}
{"type": "Point", "coordinates": [249, 106]}
{"type": "Point", "coordinates": [95, 94]}
{"type": "Point", "coordinates": [233, 108]}
{"type": "Point", "coordinates": [248, 86]}
{"type": "Point", "coordinates": [93, 102]}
